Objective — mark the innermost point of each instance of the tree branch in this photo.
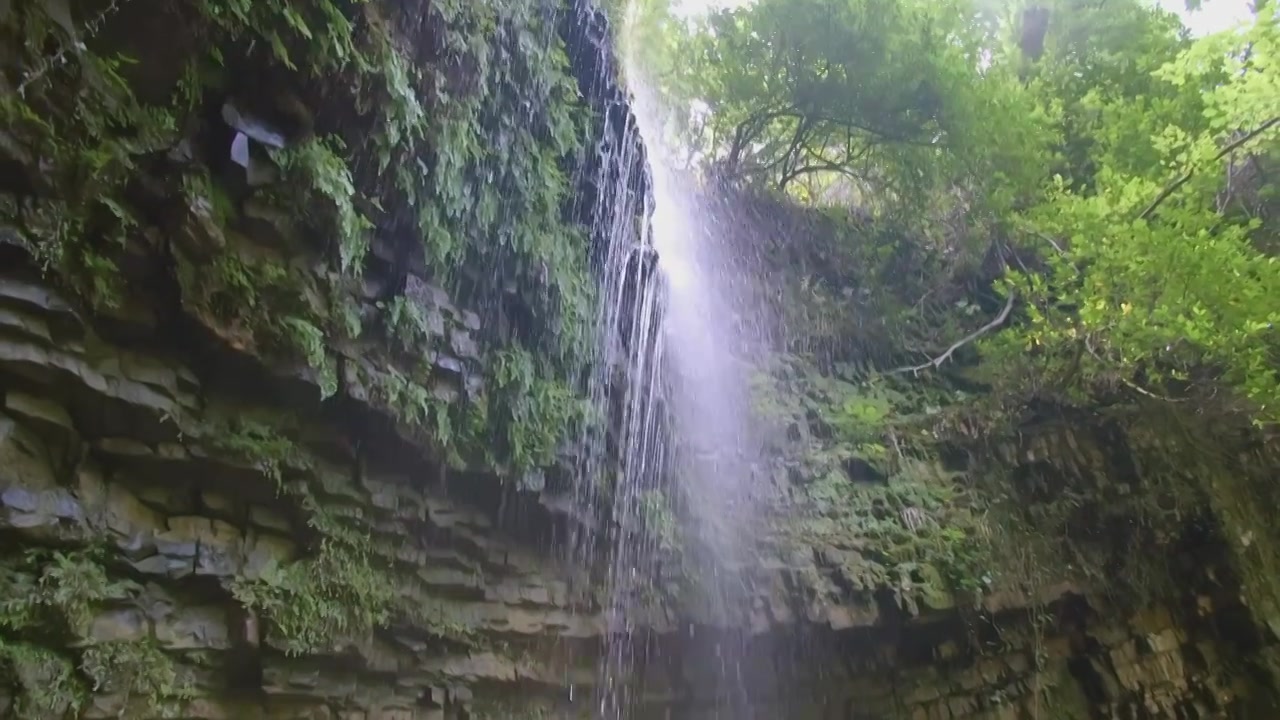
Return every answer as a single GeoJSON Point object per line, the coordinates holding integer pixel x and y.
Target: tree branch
{"type": "Point", "coordinates": [1125, 381]}
{"type": "Point", "coordinates": [1172, 187]}
{"type": "Point", "coordinates": [938, 361]}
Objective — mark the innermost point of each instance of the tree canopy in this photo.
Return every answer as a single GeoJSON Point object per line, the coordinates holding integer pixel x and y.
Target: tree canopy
{"type": "Point", "coordinates": [1116, 167]}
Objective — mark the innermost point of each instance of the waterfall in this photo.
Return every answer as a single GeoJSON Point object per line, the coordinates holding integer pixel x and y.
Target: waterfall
{"type": "Point", "coordinates": [668, 466]}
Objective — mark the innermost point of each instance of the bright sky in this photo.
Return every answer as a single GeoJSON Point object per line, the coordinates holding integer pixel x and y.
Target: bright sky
{"type": "Point", "coordinates": [1213, 15]}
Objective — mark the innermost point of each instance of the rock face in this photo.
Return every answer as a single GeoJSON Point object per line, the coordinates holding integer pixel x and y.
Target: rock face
{"type": "Point", "coordinates": [106, 446]}
{"type": "Point", "coordinates": [227, 490]}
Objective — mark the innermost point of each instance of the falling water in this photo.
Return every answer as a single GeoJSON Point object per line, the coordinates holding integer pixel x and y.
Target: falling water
{"type": "Point", "coordinates": [669, 382]}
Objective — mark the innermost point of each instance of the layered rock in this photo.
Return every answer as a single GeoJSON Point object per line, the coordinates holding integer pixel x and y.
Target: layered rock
{"type": "Point", "coordinates": [232, 485]}
{"type": "Point", "coordinates": [107, 446]}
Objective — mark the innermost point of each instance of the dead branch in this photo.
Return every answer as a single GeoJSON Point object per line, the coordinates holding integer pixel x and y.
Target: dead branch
{"type": "Point", "coordinates": [938, 361]}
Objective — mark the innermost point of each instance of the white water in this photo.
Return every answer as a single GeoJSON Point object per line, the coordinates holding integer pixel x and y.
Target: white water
{"type": "Point", "coordinates": [686, 433]}
{"type": "Point", "coordinates": [671, 450]}
{"type": "Point", "coordinates": [704, 349]}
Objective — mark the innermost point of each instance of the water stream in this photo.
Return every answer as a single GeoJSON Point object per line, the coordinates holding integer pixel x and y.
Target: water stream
{"type": "Point", "coordinates": [669, 466]}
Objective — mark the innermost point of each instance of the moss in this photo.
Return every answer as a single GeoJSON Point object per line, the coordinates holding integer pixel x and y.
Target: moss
{"type": "Point", "coordinates": [1242, 494]}
{"type": "Point", "coordinates": [659, 520]}
{"type": "Point", "coordinates": [868, 481]}
{"type": "Point", "coordinates": [432, 616]}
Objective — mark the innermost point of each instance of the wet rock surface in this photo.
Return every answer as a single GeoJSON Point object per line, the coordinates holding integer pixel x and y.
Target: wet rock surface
{"type": "Point", "coordinates": [114, 431]}
{"type": "Point", "coordinates": [103, 443]}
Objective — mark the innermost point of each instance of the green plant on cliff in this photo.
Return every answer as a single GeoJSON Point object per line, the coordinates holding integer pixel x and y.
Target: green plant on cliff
{"type": "Point", "coordinates": [318, 603]}
{"type": "Point", "coordinates": [55, 587]}
{"type": "Point", "coordinates": [337, 593]}
{"type": "Point", "coordinates": [471, 147]}
{"type": "Point", "coordinates": [47, 654]}
{"type": "Point", "coordinates": [137, 671]}
{"type": "Point", "coordinates": [528, 409]}
{"type": "Point", "coordinates": [260, 442]}
{"type": "Point", "coordinates": [43, 681]}
{"type": "Point", "coordinates": [79, 230]}
{"type": "Point", "coordinates": [408, 325]}
{"type": "Point", "coordinates": [316, 165]}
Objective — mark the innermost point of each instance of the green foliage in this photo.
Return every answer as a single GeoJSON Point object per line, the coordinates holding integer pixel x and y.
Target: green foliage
{"type": "Point", "coordinates": [339, 592]}
{"type": "Point", "coordinates": [136, 670]}
{"type": "Point", "coordinates": [50, 599]}
{"type": "Point", "coordinates": [1097, 87]}
{"type": "Point", "coordinates": [874, 102]}
{"type": "Point", "coordinates": [321, 602]}
{"type": "Point", "coordinates": [316, 165]}
{"type": "Point", "coordinates": [1153, 285]}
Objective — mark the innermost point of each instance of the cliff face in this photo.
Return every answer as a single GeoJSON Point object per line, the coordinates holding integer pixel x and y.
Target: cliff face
{"type": "Point", "coordinates": [149, 548]}
{"type": "Point", "coordinates": [261, 456]}
{"type": "Point", "coordinates": [249, 465]}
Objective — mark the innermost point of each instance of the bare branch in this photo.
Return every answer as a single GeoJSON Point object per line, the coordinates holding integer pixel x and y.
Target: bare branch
{"type": "Point", "coordinates": [938, 361]}
{"type": "Point", "coordinates": [1172, 187]}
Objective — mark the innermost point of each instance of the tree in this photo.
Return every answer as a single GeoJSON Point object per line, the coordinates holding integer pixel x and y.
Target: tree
{"type": "Point", "coordinates": [1112, 164]}
{"type": "Point", "coordinates": [1152, 283]}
